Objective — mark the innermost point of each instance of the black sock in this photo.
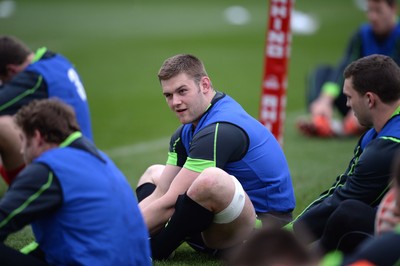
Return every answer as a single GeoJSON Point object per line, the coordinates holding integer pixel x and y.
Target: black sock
{"type": "Point", "coordinates": [189, 218]}
{"type": "Point", "coordinates": [144, 190]}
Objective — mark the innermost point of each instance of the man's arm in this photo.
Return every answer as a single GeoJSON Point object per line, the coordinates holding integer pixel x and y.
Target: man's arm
{"type": "Point", "coordinates": [370, 178]}
{"type": "Point", "coordinates": [157, 213]}
{"type": "Point", "coordinates": [366, 182]}
{"type": "Point", "coordinates": [176, 159]}
{"type": "Point", "coordinates": [163, 183]}
{"type": "Point", "coordinates": [22, 89]}
{"type": "Point", "coordinates": [34, 192]}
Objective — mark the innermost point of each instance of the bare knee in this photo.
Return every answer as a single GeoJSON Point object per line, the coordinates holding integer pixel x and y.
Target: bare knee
{"type": "Point", "coordinates": [152, 174]}
{"type": "Point", "coordinates": [205, 183]}
{"type": "Point", "coordinates": [211, 187]}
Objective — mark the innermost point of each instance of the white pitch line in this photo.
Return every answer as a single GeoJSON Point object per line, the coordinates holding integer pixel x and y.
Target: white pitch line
{"type": "Point", "coordinates": [139, 148]}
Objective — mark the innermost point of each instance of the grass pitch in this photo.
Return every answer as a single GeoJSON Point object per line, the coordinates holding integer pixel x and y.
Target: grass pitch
{"type": "Point", "coordinates": [118, 47]}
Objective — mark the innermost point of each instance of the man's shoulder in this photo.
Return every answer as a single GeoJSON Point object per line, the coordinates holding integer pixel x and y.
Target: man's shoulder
{"type": "Point", "coordinates": [228, 133]}
{"type": "Point", "coordinates": [382, 148]}
{"type": "Point", "coordinates": [177, 133]}
{"type": "Point", "coordinates": [49, 54]}
{"type": "Point", "coordinates": [223, 128]}
{"type": "Point", "coordinates": [391, 128]}
{"type": "Point", "coordinates": [35, 167]}
{"type": "Point", "coordinates": [391, 132]}
{"type": "Point", "coordinates": [24, 80]}
{"type": "Point", "coordinates": [49, 57]}
{"type": "Point", "coordinates": [33, 173]}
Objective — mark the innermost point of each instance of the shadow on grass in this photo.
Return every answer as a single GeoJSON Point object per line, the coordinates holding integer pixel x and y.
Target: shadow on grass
{"type": "Point", "coordinates": [185, 255]}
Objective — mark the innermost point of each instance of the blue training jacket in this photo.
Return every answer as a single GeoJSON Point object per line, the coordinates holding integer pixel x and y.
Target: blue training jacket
{"type": "Point", "coordinates": [99, 222]}
{"type": "Point", "coordinates": [64, 83]}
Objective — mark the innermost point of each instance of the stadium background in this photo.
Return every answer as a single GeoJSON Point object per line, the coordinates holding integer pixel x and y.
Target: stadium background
{"type": "Point", "coordinates": [118, 47]}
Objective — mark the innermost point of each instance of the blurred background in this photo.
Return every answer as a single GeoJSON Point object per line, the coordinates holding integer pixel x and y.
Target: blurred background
{"type": "Point", "coordinates": [118, 46]}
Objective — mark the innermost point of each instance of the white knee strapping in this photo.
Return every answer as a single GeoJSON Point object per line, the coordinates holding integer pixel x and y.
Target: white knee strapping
{"type": "Point", "coordinates": [234, 208]}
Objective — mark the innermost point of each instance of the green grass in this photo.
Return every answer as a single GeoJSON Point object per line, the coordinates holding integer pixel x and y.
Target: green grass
{"type": "Point", "coordinates": [118, 47]}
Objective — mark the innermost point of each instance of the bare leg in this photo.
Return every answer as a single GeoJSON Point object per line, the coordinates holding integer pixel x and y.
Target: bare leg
{"type": "Point", "coordinates": [214, 189]}
{"type": "Point", "coordinates": [159, 175]}
{"type": "Point", "coordinates": [148, 184]}
{"type": "Point", "coordinates": [196, 211]}
{"type": "Point", "coordinates": [151, 175]}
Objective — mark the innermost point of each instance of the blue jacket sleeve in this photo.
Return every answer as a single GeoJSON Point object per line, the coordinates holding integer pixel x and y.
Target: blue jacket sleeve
{"type": "Point", "coordinates": [33, 193]}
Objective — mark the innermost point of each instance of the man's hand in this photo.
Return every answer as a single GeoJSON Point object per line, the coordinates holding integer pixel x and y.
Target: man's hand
{"type": "Point", "coordinates": [322, 106]}
{"type": "Point", "coordinates": [158, 212]}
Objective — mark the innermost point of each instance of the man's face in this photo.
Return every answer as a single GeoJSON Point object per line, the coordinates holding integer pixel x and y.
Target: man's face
{"type": "Point", "coordinates": [358, 103]}
{"type": "Point", "coordinates": [29, 147]}
{"type": "Point", "coordinates": [185, 97]}
{"type": "Point", "coordinates": [381, 16]}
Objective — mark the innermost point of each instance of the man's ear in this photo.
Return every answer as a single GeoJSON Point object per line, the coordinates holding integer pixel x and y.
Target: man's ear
{"type": "Point", "coordinates": [38, 137]}
{"type": "Point", "coordinates": [205, 84]}
{"type": "Point", "coordinates": [371, 99]}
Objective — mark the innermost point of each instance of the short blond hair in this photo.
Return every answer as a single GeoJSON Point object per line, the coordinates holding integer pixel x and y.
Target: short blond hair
{"type": "Point", "coordinates": [182, 63]}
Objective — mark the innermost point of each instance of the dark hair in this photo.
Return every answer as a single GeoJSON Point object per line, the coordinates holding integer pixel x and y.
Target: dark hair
{"type": "Point", "coordinates": [54, 119]}
{"type": "Point", "coordinates": [182, 63]}
{"type": "Point", "coordinates": [375, 73]}
{"type": "Point", "coordinates": [12, 51]}
{"type": "Point", "coordinates": [270, 246]}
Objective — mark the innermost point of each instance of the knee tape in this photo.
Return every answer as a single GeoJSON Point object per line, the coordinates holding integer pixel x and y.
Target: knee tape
{"type": "Point", "coordinates": [234, 208]}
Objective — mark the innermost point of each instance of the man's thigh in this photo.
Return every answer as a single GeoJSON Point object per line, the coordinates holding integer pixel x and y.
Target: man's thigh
{"type": "Point", "coordinates": [275, 219]}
